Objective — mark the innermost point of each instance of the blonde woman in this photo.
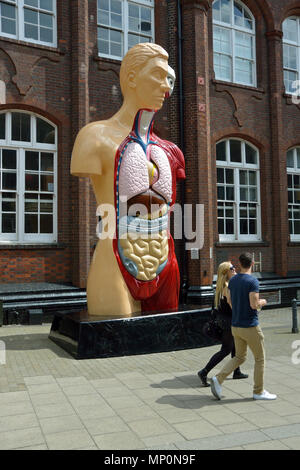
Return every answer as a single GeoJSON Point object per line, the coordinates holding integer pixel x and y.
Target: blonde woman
{"type": "Point", "coordinates": [225, 272]}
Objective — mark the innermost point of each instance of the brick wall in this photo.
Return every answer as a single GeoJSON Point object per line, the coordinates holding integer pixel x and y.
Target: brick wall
{"type": "Point", "coordinates": [57, 87]}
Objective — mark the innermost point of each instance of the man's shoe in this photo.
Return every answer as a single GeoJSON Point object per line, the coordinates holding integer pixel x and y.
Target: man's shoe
{"type": "Point", "coordinates": [203, 377]}
{"type": "Point", "coordinates": [239, 375]}
{"type": "Point", "coordinates": [216, 388]}
{"type": "Point", "coordinates": [264, 396]}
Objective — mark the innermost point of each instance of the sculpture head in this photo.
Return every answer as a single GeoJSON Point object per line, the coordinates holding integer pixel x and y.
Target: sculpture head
{"type": "Point", "coordinates": [145, 75]}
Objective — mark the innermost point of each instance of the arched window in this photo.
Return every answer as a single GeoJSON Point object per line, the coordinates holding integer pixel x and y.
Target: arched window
{"type": "Point", "coordinates": [28, 146]}
{"type": "Point", "coordinates": [293, 175]}
{"type": "Point", "coordinates": [238, 191]}
{"type": "Point", "coordinates": [291, 53]}
{"type": "Point", "coordinates": [29, 20]}
{"type": "Point", "coordinates": [122, 24]}
{"type": "Point", "coordinates": [234, 42]}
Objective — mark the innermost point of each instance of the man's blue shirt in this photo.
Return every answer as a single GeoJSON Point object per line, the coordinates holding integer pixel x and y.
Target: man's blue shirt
{"type": "Point", "coordinates": [240, 286]}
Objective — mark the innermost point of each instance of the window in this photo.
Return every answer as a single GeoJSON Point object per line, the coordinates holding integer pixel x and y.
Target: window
{"type": "Point", "coordinates": [234, 42]}
{"type": "Point", "coordinates": [29, 20]}
{"type": "Point", "coordinates": [27, 178]}
{"type": "Point", "coordinates": [293, 176]}
{"type": "Point", "coordinates": [122, 24]}
{"type": "Point", "coordinates": [238, 191]}
{"type": "Point", "coordinates": [291, 53]}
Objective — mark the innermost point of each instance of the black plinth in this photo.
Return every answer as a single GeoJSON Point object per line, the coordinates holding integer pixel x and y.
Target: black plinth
{"type": "Point", "coordinates": [86, 337]}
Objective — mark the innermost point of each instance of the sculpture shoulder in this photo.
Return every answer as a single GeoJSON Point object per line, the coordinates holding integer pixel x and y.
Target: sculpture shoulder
{"type": "Point", "coordinates": [176, 156]}
{"type": "Point", "coordinates": [90, 148]}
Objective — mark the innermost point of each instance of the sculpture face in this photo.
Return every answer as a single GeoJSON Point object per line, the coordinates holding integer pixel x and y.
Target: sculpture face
{"type": "Point", "coordinates": [152, 83]}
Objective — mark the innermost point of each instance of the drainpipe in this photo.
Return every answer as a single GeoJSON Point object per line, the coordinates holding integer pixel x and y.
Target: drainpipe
{"type": "Point", "coordinates": [184, 272]}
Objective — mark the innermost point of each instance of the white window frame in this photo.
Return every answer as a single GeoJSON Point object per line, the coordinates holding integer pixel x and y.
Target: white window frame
{"type": "Point", "coordinates": [125, 27]}
{"type": "Point", "coordinates": [20, 237]}
{"type": "Point", "coordinates": [20, 34]}
{"type": "Point", "coordinates": [233, 28]}
{"type": "Point", "coordinates": [236, 167]}
{"type": "Point", "coordinates": [288, 42]}
{"type": "Point", "coordinates": [294, 171]}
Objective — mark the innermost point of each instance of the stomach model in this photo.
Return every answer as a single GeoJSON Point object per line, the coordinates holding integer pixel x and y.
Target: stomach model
{"type": "Point", "coordinates": [145, 189]}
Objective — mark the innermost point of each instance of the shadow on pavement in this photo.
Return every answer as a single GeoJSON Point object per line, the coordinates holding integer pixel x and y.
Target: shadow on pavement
{"type": "Point", "coordinates": [195, 403]}
{"type": "Point", "coordinates": [32, 342]}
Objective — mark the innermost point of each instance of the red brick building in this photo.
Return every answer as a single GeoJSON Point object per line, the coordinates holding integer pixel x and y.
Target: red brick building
{"type": "Point", "coordinates": [232, 112]}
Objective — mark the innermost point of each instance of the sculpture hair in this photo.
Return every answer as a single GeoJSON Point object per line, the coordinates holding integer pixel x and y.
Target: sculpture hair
{"type": "Point", "coordinates": [136, 57]}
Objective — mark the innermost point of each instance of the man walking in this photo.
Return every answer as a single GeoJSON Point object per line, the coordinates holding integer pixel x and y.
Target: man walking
{"type": "Point", "coordinates": [245, 302]}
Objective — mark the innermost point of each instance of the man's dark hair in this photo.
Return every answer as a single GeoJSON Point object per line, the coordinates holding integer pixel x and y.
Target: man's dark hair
{"type": "Point", "coordinates": [246, 260]}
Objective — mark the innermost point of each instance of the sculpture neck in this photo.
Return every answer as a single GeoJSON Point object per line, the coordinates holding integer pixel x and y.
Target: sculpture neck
{"type": "Point", "coordinates": [143, 123]}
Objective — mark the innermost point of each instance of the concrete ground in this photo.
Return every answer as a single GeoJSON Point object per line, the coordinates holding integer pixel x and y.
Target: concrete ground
{"type": "Point", "coordinates": [48, 400]}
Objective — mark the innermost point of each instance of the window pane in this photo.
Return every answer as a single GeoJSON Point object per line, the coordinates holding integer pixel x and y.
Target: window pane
{"type": "Point", "coordinates": [252, 227]}
{"type": "Point", "coordinates": [31, 182]}
{"type": "Point", "coordinates": [103, 4]}
{"type": "Point", "coordinates": [243, 71]}
{"type": "Point", "coordinates": [20, 123]}
{"type": "Point", "coordinates": [252, 178]}
{"type": "Point", "coordinates": [298, 157]}
{"type": "Point", "coordinates": [290, 159]}
{"type": "Point", "coordinates": [226, 11]}
{"type": "Point", "coordinates": [235, 151]}
{"type": "Point", "coordinates": [31, 206]}
{"type": "Point", "coordinates": [220, 175]}
{"type": "Point", "coordinates": [244, 227]}
{"type": "Point", "coordinates": [221, 151]}
{"type": "Point", "coordinates": [229, 227]}
{"type": "Point", "coordinates": [244, 194]}
{"type": "Point", "coordinates": [46, 207]}
{"type": "Point", "coordinates": [46, 20]}
{"type": "Point", "coordinates": [116, 6]}
{"type": "Point", "coordinates": [251, 155]}
{"type": "Point", "coordinates": [115, 49]}
{"type": "Point", "coordinates": [9, 159]}
{"type": "Point", "coordinates": [32, 3]}
{"type": "Point", "coordinates": [296, 227]}
{"type": "Point", "coordinates": [221, 226]}
{"type": "Point", "coordinates": [243, 211]}
{"type": "Point", "coordinates": [47, 183]}
{"type": "Point", "coordinates": [31, 160]}
{"type": "Point", "coordinates": [31, 32]}
{"type": "Point", "coordinates": [252, 194]}
{"type": "Point", "coordinates": [46, 5]}
{"type": "Point", "coordinates": [46, 223]}
{"type": "Point", "coordinates": [133, 39]}
{"type": "Point", "coordinates": [229, 177]}
{"type": "Point", "coordinates": [229, 193]}
{"type": "Point", "coordinates": [103, 47]}
{"type": "Point", "coordinates": [8, 11]}
{"type": "Point", "coordinates": [223, 67]}
{"type": "Point", "coordinates": [47, 161]}
{"type": "Point", "coordinates": [8, 206]}
{"type": "Point", "coordinates": [9, 181]}
{"type": "Point", "coordinates": [217, 10]}
{"type": "Point", "coordinates": [8, 223]}
{"type": "Point", "coordinates": [116, 21]}
{"type": "Point", "coordinates": [221, 192]}
{"type": "Point", "coordinates": [289, 27]}
{"type": "Point", "coordinates": [30, 16]}
{"type": "Point", "coordinates": [45, 133]}
{"type": "Point", "coordinates": [8, 26]}
{"type": "Point", "coordinates": [243, 177]}
{"type": "Point", "coordinates": [2, 126]}
{"type": "Point", "coordinates": [31, 223]}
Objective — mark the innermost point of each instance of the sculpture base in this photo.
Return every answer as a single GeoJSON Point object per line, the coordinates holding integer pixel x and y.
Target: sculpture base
{"type": "Point", "coordinates": [87, 337]}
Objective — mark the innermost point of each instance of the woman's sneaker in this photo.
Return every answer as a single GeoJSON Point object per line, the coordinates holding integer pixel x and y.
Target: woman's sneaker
{"type": "Point", "coordinates": [216, 388]}
{"type": "Point", "coordinates": [264, 396]}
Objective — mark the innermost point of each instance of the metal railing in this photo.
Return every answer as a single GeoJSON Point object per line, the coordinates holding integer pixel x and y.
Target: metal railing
{"type": "Point", "coordinates": [295, 329]}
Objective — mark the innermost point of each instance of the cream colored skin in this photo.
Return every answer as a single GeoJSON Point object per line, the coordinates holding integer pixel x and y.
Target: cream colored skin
{"type": "Point", "coordinates": [94, 156]}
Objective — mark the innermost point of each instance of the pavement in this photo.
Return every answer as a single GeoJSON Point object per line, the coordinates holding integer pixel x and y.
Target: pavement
{"type": "Point", "coordinates": [49, 400]}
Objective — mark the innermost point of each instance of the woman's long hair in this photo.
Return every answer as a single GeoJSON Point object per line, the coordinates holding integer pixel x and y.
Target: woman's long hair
{"type": "Point", "coordinates": [221, 281]}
